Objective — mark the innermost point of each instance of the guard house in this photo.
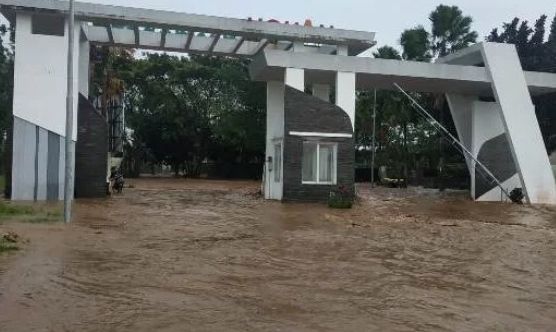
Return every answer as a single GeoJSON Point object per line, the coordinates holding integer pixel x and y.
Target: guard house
{"type": "Point", "coordinates": [309, 141]}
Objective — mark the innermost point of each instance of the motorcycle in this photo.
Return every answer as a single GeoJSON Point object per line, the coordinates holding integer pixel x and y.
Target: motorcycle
{"type": "Point", "coordinates": [118, 182]}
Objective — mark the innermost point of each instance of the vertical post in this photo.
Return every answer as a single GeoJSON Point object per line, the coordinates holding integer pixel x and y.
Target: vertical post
{"type": "Point", "coordinates": [68, 183]}
{"type": "Point", "coordinates": [373, 151]}
{"type": "Point", "coordinates": [345, 94]}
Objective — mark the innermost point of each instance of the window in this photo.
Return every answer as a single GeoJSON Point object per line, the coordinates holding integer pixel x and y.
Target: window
{"type": "Point", "coordinates": [278, 162]}
{"type": "Point", "coordinates": [51, 25]}
{"type": "Point", "coordinates": [319, 163]}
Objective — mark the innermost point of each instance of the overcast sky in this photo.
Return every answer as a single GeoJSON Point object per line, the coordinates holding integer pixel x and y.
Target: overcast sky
{"type": "Point", "coordinates": [386, 17]}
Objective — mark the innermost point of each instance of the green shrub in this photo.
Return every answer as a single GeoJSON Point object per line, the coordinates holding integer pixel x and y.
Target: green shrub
{"type": "Point", "coordinates": [341, 198]}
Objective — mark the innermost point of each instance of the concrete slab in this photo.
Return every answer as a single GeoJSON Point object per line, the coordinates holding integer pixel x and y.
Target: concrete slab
{"type": "Point", "coordinates": [382, 73]}
{"type": "Point", "coordinates": [355, 41]}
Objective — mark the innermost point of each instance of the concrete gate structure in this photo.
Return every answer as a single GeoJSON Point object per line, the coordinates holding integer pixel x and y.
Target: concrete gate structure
{"type": "Point", "coordinates": [309, 143]}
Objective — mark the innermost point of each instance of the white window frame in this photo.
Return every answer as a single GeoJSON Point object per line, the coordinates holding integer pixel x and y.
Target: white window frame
{"type": "Point", "coordinates": [334, 164]}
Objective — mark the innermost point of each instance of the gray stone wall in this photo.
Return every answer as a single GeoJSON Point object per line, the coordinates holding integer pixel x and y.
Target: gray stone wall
{"type": "Point", "coordinates": [305, 113]}
{"type": "Point", "coordinates": [91, 152]}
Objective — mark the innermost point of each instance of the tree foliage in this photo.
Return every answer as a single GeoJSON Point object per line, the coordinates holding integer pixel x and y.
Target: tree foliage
{"type": "Point", "coordinates": [451, 30]}
{"type": "Point", "coordinates": [416, 44]}
{"type": "Point", "coordinates": [6, 87]}
{"type": "Point", "coordinates": [537, 52]}
{"type": "Point", "coordinates": [185, 110]}
{"type": "Point", "coordinates": [405, 141]}
{"type": "Point", "coordinates": [387, 52]}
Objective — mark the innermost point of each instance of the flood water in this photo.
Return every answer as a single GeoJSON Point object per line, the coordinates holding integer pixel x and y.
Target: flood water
{"type": "Point", "coordinates": [183, 255]}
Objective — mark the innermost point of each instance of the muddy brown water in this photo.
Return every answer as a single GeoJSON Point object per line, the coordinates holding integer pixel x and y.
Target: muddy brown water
{"type": "Point", "coordinates": [174, 255]}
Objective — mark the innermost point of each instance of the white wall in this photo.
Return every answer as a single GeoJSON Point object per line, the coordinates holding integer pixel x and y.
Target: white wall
{"type": "Point", "coordinates": [84, 49]}
{"type": "Point", "coordinates": [461, 108]}
{"type": "Point", "coordinates": [295, 78]}
{"type": "Point", "coordinates": [41, 77]}
{"type": "Point", "coordinates": [486, 125]}
{"type": "Point", "coordinates": [345, 94]}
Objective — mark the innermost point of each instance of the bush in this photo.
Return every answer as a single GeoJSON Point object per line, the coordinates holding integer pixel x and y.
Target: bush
{"type": "Point", "coordinates": [341, 198]}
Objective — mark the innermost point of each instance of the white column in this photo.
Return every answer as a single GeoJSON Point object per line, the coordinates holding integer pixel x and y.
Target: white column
{"type": "Point", "coordinates": [345, 94]}
{"type": "Point", "coordinates": [322, 91]}
{"type": "Point", "coordinates": [520, 122]}
{"type": "Point", "coordinates": [84, 50]}
{"type": "Point", "coordinates": [274, 132]}
{"type": "Point", "coordinates": [40, 77]}
{"type": "Point", "coordinates": [295, 78]}
{"type": "Point", "coordinates": [39, 106]}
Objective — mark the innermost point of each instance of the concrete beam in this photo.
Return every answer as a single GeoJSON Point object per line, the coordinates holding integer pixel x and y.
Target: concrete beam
{"type": "Point", "coordinates": [238, 45]}
{"type": "Point", "coordinates": [190, 35]}
{"type": "Point", "coordinates": [163, 38]}
{"type": "Point", "coordinates": [136, 33]}
{"type": "Point", "coordinates": [356, 41]}
{"type": "Point", "coordinates": [213, 43]}
{"type": "Point", "coordinates": [110, 33]}
{"type": "Point", "coordinates": [382, 74]}
{"type": "Point", "coordinates": [262, 44]}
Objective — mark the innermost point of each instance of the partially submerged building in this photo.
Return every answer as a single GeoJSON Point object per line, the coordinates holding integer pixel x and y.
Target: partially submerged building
{"type": "Point", "coordinates": [309, 143]}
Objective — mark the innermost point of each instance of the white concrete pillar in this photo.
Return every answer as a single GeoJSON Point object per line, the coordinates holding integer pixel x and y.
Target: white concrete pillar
{"type": "Point", "coordinates": [345, 94]}
{"type": "Point", "coordinates": [274, 135]}
{"type": "Point", "coordinates": [84, 50]}
{"type": "Point", "coordinates": [40, 74]}
{"type": "Point", "coordinates": [322, 91]}
{"type": "Point", "coordinates": [295, 78]}
{"type": "Point", "coordinates": [39, 105]}
{"type": "Point", "coordinates": [521, 125]}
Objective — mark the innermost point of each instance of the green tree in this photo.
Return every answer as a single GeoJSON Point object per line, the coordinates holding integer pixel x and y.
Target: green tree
{"type": "Point", "coordinates": [396, 126]}
{"type": "Point", "coordinates": [451, 30]}
{"type": "Point", "coordinates": [416, 44]}
{"type": "Point", "coordinates": [387, 52]}
{"type": "Point", "coordinates": [6, 91]}
{"type": "Point", "coordinates": [535, 54]}
{"type": "Point", "coordinates": [552, 35]}
{"type": "Point", "coordinates": [540, 31]}
{"type": "Point", "coordinates": [187, 110]}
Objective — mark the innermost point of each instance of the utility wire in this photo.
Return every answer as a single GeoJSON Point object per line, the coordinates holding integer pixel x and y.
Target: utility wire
{"type": "Point", "coordinates": [442, 130]}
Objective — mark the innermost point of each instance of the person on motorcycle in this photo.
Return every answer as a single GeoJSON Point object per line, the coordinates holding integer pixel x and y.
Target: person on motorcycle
{"type": "Point", "coordinates": [117, 180]}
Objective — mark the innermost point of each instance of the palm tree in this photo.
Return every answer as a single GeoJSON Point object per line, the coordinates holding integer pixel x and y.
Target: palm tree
{"type": "Point", "coordinates": [387, 52]}
{"type": "Point", "coordinates": [416, 45]}
{"type": "Point", "coordinates": [451, 30]}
